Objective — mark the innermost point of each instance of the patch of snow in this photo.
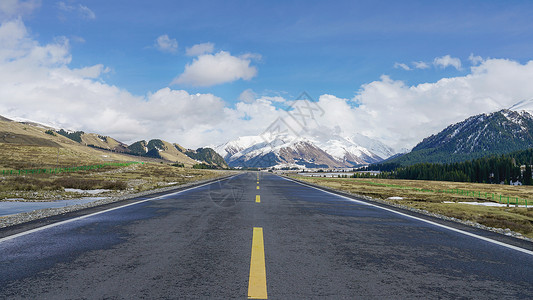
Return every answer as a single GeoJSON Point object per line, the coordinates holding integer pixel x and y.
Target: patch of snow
{"type": "Point", "coordinates": [92, 192]}
{"type": "Point", "coordinates": [357, 149]}
{"type": "Point", "coordinates": [491, 204]}
{"type": "Point", "coordinates": [395, 198]}
{"type": "Point", "coordinates": [38, 124]}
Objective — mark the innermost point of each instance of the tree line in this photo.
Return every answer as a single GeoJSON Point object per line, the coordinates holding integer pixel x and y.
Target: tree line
{"type": "Point", "coordinates": [493, 169]}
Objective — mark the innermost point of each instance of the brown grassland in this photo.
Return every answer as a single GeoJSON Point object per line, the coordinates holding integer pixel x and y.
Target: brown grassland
{"type": "Point", "coordinates": [24, 146]}
{"type": "Point", "coordinates": [118, 180]}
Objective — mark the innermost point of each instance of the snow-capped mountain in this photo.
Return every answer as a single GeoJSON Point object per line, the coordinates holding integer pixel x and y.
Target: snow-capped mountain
{"type": "Point", "coordinates": [315, 149]}
{"type": "Point", "coordinates": [482, 135]}
{"type": "Point", "coordinates": [230, 148]}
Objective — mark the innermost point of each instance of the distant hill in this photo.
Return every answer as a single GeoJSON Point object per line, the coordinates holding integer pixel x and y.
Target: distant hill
{"type": "Point", "coordinates": [174, 152]}
{"type": "Point", "coordinates": [33, 143]}
{"type": "Point", "coordinates": [95, 140]}
{"type": "Point", "coordinates": [160, 149]}
{"type": "Point", "coordinates": [482, 135]}
{"type": "Point", "coordinates": [207, 155]}
{"type": "Point", "coordinates": [24, 145]}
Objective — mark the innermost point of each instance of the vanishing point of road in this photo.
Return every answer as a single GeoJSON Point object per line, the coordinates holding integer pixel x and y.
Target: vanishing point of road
{"type": "Point", "coordinates": [258, 235]}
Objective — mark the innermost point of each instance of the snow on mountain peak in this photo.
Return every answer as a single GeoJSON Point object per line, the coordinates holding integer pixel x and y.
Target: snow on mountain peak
{"type": "Point", "coordinates": [316, 145]}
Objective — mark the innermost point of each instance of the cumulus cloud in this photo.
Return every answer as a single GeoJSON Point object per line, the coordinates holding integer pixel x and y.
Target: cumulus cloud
{"type": "Point", "coordinates": [402, 115]}
{"type": "Point", "coordinates": [402, 66]}
{"type": "Point", "coordinates": [447, 61]}
{"type": "Point", "coordinates": [200, 49]}
{"type": "Point", "coordinates": [82, 10]}
{"type": "Point", "coordinates": [474, 59]}
{"type": "Point", "coordinates": [213, 69]}
{"type": "Point", "coordinates": [37, 83]}
{"type": "Point", "coordinates": [165, 44]}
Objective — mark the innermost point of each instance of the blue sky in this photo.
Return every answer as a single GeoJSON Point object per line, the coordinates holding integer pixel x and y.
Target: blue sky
{"type": "Point", "coordinates": [323, 47]}
{"type": "Point", "coordinates": [129, 67]}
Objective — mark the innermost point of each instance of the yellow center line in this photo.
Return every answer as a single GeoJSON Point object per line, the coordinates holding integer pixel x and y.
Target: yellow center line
{"type": "Point", "coordinates": [257, 199]}
{"type": "Point", "coordinates": [257, 187]}
{"type": "Point", "coordinates": [257, 288]}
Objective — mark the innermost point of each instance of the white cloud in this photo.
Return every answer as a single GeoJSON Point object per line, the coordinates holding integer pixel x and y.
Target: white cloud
{"type": "Point", "coordinates": [402, 115]}
{"type": "Point", "coordinates": [402, 66]}
{"type": "Point", "coordinates": [86, 12]}
{"type": "Point", "coordinates": [446, 61]}
{"type": "Point", "coordinates": [37, 83]}
{"type": "Point", "coordinates": [420, 65]}
{"type": "Point", "coordinates": [166, 44]}
{"type": "Point", "coordinates": [213, 69]}
{"type": "Point", "coordinates": [16, 8]}
{"type": "Point", "coordinates": [200, 49]}
{"type": "Point", "coordinates": [82, 10]}
{"type": "Point", "coordinates": [248, 96]}
{"type": "Point", "coordinates": [475, 60]}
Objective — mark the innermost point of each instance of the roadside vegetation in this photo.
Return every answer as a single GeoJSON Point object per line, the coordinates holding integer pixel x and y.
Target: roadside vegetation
{"type": "Point", "coordinates": [114, 180]}
{"type": "Point", "coordinates": [422, 194]}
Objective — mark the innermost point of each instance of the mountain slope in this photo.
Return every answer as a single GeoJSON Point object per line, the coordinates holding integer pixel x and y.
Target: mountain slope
{"type": "Point", "coordinates": [38, 145]}
{"type": "Point", "coordinates": [174, 152]}
{"type": "Point", "coordinates": [25, 146]}
{"type": "Point", "coordinates": [500, 132]}
{"type": "Point", "coordinates": [157, 148]}
{"type": "Point", "coordinates": [206, 155]}
{"type": "Point", "coordinates": [283, 151]}
{"type": "Point", "coordinates": [318, 149]}
{"type": "Point", "coordinates": [103, 142]}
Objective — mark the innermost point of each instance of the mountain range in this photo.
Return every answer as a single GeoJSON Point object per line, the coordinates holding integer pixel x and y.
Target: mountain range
{"type": "Point", "coordinates": [482, 135]}
{"type": "Point", "coordinates": [43, 135]}
{"type": "Point", "coordinates": [318, 149]}
{"type": "Point", "coordinates": [500, 132]}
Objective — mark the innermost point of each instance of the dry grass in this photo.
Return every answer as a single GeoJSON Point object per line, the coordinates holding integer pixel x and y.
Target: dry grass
{"type": "Point", "coordinates": [130, 179]}
{"type": "Point", "coordinates": [25, 147]}
{"type": "Point", "coordinates": [516, 219]}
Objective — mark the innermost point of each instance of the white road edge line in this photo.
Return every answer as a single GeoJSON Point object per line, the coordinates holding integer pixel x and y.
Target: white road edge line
{"type": "Point", "coordinates": [7, 238]}
{"type": "Point", "coordinates": [423, 220]}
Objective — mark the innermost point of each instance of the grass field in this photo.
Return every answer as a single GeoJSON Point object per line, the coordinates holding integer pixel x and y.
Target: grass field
{"type": "Point", "coordinates": [118, 180]}
{"type": "Point", "coordinates": [424, 195]}
{"type": "Point", "coordinates": [25, 147]}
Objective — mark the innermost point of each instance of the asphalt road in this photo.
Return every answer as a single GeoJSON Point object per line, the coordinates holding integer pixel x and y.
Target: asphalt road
{"type": "Point", "coordinates": [198, 243]}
